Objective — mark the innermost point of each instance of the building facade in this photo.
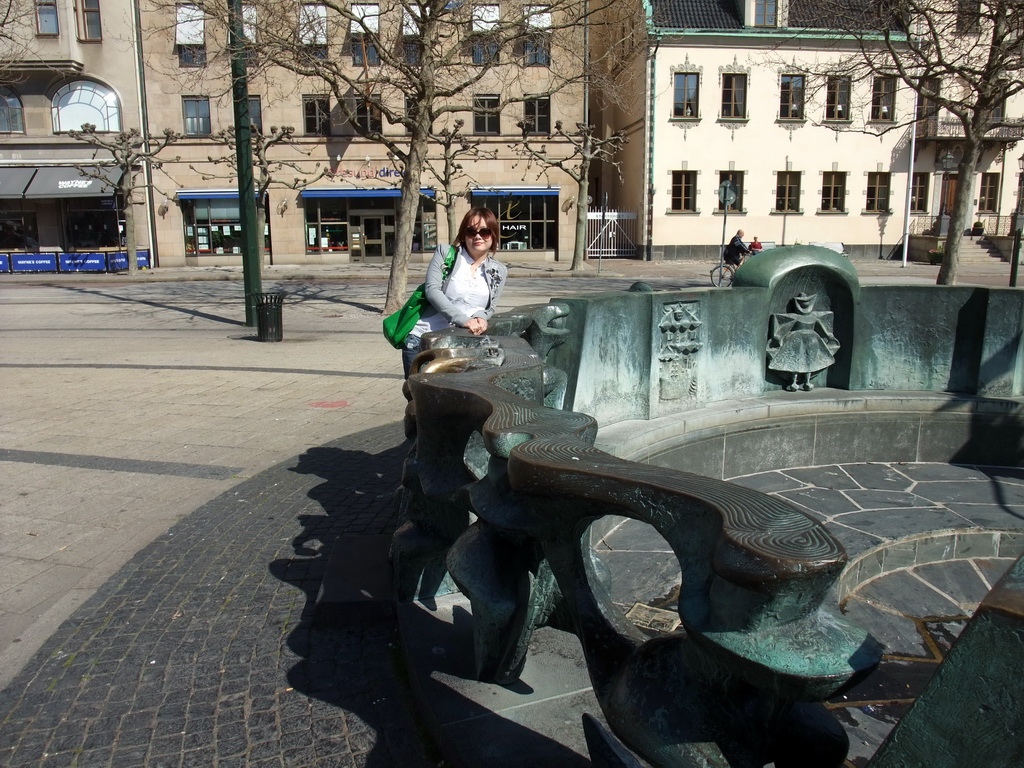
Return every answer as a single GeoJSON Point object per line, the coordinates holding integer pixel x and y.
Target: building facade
{"type": "Point", "coordinates": [751, 101]}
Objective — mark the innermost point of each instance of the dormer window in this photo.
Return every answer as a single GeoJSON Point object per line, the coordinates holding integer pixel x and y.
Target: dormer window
{"type": "Point", "coordinates": [766, 13]}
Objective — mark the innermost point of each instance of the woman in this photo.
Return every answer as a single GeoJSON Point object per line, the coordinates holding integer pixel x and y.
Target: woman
{"type": "Point", "coordinates": [467, 297]}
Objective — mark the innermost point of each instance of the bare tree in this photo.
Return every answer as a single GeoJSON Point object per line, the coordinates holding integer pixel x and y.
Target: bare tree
{"type": "Point", "coordinates": [129, 152]}
{"type": "Point", "coordinates": [418, 63]}
{"type": "Point", "coordinates": [17, 36]}
{"type": "Point", "coordinates": [268, 171]}
{"type": "Point", "coordinates": [962, 60]}
{"type": "Point", "coordinates": [586, 148]}
{"type": "Point", "coordinates": [449, 169]}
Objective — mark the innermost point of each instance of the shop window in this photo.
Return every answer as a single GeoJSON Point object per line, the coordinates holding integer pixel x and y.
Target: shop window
{"type": "Point", "coordinates": [46, 18]}
{"type": "Point", "coordinates": [526, 222]}
{"type": "Point", "coordinates": [919, 193]}
{"type": "Point", "coordinates": [214, 227]}
{"type": "Point", "coordinates": [684, 191]}
{"type": "Point", "coordinates": [736, 177]}
{"type": "Point", "coordinates": [90, 27]}
{"type": "Point", "coordinates": [537, 116]}
{"type": "Point", "coordinates": [787, 192]}
{"type": "Point", "coordinates": [326, 225]}
{"type": "Point", "coordinates": [686, 95]}
{"type": "Point", "coordinates": [82, 102]}
{"type": "Point", "coordinates": [486, 120]}
{"type": "Point", "coordinates": [92, 222]}
{"type": "Point", "coordinates": [791, 97]}
{"type": "Point", "coordinates": [837, 98]}
{"type": "Point", "coordinates": [331, 227]}
{"type": "Point", "coordinates": [734, 96]}
{"type": "Point", "coordinates": [883, 99]}
{"type": "Point", "coordinates": [316, 115]}
{"type": "Point", "coordinates": [833, 191]}
{"type": "Point", "coordinates": [988, 193]}
{"type": "Point", "coordinates": [12, 113]}
{"type": "Point", "coordinates": [196, 112]}
{"type": "Point", "coordinates": [878, 192]}
{"type": "Point", "coordinates": [18, 231]}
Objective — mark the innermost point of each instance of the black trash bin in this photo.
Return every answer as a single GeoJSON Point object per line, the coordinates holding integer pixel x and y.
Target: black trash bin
{"type": "Point", "coordinates": [268, 315]}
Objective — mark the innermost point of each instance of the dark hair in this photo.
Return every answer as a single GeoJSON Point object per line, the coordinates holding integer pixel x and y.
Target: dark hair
{"type": "Point", "coordinates": [490, 222]}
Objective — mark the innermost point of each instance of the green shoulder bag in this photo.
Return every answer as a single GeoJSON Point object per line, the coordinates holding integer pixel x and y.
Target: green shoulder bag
{"type": "Point", "coordinates": [398, 325]}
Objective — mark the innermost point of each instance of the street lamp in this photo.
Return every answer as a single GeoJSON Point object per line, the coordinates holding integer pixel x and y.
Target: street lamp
{"type": "Point", "coordinates": [1015, 258]}
{"type": "Point", "coordinates": [948, 162]}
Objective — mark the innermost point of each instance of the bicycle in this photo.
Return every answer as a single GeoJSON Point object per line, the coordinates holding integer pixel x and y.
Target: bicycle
{"type": "Point", "coordinates": [723, 275]}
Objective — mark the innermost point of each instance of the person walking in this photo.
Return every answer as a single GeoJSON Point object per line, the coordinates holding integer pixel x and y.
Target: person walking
{"type": "Point", "coordinates": [467, 296]}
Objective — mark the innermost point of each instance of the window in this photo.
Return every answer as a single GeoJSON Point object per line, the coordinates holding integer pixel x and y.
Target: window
{"type": "Point", "coordinates": [12, 113]}
{"type": "Point", "coordinates": [686, 95]}
{"type": "Point", "coordinates": [837, 98]}
{"type": "Point", "coordinates": [734, 96]}
{"type": "Point", "coordinates": [926, 107]}
{"type": "Point", "coordinates": [684, 191]}
{"type": "Point", "coordinates": [364, 28]}
{"type": "Point", "coordinates": [537, 115]}
{"type": "Point", "coordinates": [878, 192]}
{"type": "Point", "coordinates": [537, 43]}
{"type": "Point", "coordinates": [787, 192]}
{"type": "Point", "coordinates": [190, 36]}
{"type": "Point", "coordinates": [765, 13]}
{"type": "Point", "coordinates": [919, 193]}
{"type": "Point", "coordinates": [256, 113]}
{"type": "Point", "coordinates": [968, 16]}
{"type": "Point", "coordinates": [833, 191]}
{"type": "Point", "coordinates": [883, 99]}
{"type": "Point", "coordinates": [89, 26]}
{"type": "Point", "coordinates": [988, 193]}
{"type": "Point", "coordinates": [81, 102]}
{"type": "Point", "coordinates": [46, 17]}
{"type": "Point", "coordinates": [316, 113]}
{"type": "Point", "coordinates": [313, 30]}
{"type": "Point", "coordinates": [736, 177]}
{"type": "Point", "coordinates": [483, 46]}
{"type": "Point", "coordinates": [215, 226]}
{"type": "Point", "coordinates": [486, 122]}
{"type": "Point", "coordinates": [526, 222]}
{"type": "Point", "coordinates": [196, 110]}
{"type": "Point", "coordinates": [411, 38]}
{"type": "Point", "coordinates": [368, 117]}
{"type": "Point", "coordinates": [791, 97]}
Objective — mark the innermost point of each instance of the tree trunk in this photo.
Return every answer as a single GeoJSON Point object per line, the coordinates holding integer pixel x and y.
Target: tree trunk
{"type": "Point", "coordinates": [407, 208]}
{"type": "Point", "coordinates": [961, 212]}
{"type": "Point", "coordinates": [261, 227]}
{"type": "Point", "coordinates": [452, 216]}
{"type": "Point", "coordinates": [129, 229]}
{"type": "Point", "coordinates": [579, 248]}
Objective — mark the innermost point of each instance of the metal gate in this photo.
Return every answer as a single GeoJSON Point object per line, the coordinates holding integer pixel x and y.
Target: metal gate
{"type": "Point", "coordinates": [611, 234]}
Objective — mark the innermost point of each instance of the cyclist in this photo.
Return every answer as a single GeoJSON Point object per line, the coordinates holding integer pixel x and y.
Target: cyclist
{"type": "Point", "coordinates": [736, 251]}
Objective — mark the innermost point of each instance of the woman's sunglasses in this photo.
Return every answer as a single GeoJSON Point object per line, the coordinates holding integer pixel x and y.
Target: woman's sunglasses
{"type": "Point", "coordinates": [470, 232]}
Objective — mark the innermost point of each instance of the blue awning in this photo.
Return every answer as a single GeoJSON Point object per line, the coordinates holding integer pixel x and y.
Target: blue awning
{"type": "Point", "coordinates": [207, 194]}
{"type": "Point", "coordinates": [516, 191]}
{"type": "Point", "coordinates": [353, 192]}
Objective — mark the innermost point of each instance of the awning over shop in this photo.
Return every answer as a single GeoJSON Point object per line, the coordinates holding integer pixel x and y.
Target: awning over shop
{"type": "Point", "coordinates": [352, 192]}
{"type": "Point", "coordinates": [516, 191]}
{"type": "Point", "coordinates": [207, 194]}
{"type": "Point", "coordinates": [14, 180]}
{"type": "Point", "coordinates": [67, 181]}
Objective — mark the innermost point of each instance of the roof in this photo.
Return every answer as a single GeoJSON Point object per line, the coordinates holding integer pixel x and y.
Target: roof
{"type": "Point", "coordinates": [726, 15]}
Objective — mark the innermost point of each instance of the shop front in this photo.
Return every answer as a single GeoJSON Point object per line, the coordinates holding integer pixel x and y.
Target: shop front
{"type": "Point", "coordinates": [212, 224]}
{"type": "Point", "coordinates": [528, 217]}
{"type": "Point", "coordinates": [360, 223]}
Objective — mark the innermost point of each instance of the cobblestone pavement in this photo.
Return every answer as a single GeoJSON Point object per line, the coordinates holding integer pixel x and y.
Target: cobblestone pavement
{"type": "Point", "coordinates": [169, 496]}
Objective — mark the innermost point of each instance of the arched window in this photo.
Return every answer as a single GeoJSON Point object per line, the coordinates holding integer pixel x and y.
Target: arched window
{"type": "Point", "coordinates": [82, 102]}
{"type": "Point", "coordinates": [12, 114]}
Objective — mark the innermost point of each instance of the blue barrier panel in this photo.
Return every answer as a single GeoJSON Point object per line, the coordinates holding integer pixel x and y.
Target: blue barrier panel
{"type": "Point", "coordinates": [5, 262]}
{"type": "Point", "coordinates": [83, 262]}
{"type": "Point", "coordinates": [33, 262]}
{"type": "Point", "coordinates": [118, 261]}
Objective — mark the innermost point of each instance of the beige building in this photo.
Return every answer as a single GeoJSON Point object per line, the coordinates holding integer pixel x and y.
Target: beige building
{"type": "Point", "coordinates": [732, 97]}
{"type": "Point", "coordinates": [63, 64]}
{"type": "Point", "coordinates": [333, 194]}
